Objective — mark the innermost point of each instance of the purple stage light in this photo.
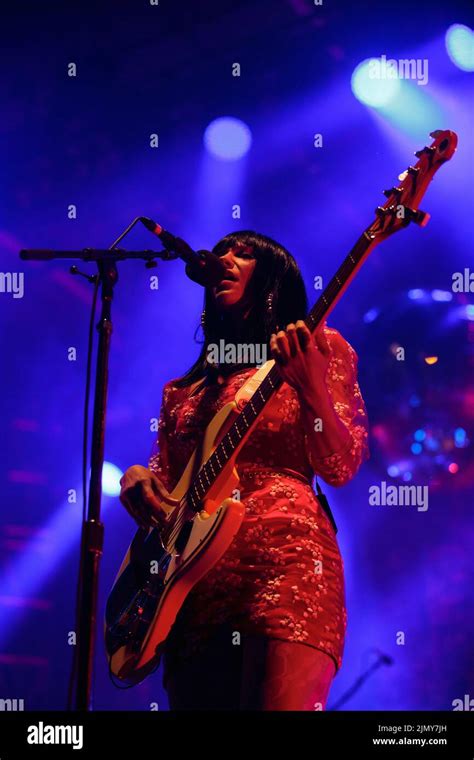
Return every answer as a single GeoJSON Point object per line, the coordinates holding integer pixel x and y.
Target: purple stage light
{"type": "Point", "coordinates": [441, 295]}
{"type": "Point", "coordinates": [416, 294]}
{"type": "Point", "coordinates": [228, 138]}
{"type": "Point", "coordinates": [371, 315]}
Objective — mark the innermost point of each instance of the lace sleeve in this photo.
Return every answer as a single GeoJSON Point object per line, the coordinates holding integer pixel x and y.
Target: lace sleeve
{"type": "Point", "coordinates": [159, 462]}
{"type": "Point", "coordinates": [339, 468]}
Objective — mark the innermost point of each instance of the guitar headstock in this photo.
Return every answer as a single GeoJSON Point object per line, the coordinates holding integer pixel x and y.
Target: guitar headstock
{"type": "Point", "coordinates": [402, 205]}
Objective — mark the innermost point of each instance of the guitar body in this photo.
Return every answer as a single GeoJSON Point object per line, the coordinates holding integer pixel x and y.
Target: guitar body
{"type": "Point", "coordinates": [155, 577]}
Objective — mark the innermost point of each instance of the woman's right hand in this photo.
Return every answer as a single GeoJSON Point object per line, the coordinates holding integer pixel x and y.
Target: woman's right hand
{"type": "Point", "coordinates": [145, 498]}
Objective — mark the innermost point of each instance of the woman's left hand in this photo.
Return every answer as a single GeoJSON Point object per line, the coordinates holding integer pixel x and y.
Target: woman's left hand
{"type": "Point", "coordinates": [302, 358]}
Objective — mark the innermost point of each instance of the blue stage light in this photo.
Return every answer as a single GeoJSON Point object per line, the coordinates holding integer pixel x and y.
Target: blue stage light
{"type": "Point", "coordinates": [416, 294]}
{"type": "Point", "coordinates": [416, 448]}
{"type": "Point", "coordinates": [460, 46]}
{"type": "Point", "coordinates": [371, 315]}
{"type": "Point", "coordinates": [432, 444]}
{"type": "Point", "coordinates": [441, 295]}
{"type": "Point", "coordinates": [227, 138]}
{"type": "Point", "coordinates": [459, 437]}
{"type": "Point", "coordinates": [110, 479]}
{"type": "Point", "coordinates": [393, 470]}
{"type": "Point", "coordinates": [371, 85]}
{"type": "Point", "coordinates": [419, 435]}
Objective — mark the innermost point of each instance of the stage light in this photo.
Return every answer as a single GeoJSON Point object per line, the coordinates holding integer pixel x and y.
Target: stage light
{"type": "Point", "coordinates": [110, 479]}
{"type": "Point", "coordinates": [371, 315]}
{"type": "Point", "coordinates": [441, 295]}
{"type": "Point", "coordinates": [416, 448]}
{"type": "Point", "coordinates": [419, 435]}
{"type": "Point", "coordinates": [227, 138]}
{"type": "Point", "coordinates": [414, 401]}
{"type": "Point", "coordinates": [453, 468]}
{"type": "Point", "coordinates": [407, 475]}
{"type": "Point", "coordinates": [460, 46]}
{"type": "Point", "coordinates": [459, 438]}
{"type": "Point", "coordinates": [432, 444]}
{"type": "Point", "coordinates": [370, 87]}
{"type": "Point", "coordinates": [393, 470]}
{"type": "Point", "coordinates": [33, 567]}
{"type": "Point", "coordinates": [431, 360]}
{"type": "Point", "coordinates": [416, 294]}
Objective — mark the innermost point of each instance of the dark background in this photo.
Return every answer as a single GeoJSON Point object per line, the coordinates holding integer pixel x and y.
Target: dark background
{"type": "Point", "coordinates": [85, 141]}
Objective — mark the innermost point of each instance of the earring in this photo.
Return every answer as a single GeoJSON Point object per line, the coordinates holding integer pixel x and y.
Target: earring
{"type": "Point", "coordinates": [202, 325]}
{"type": "Point", "coordinates": [270, 303]}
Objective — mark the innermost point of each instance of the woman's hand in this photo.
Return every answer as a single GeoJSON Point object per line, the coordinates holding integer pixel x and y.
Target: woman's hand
{"type": "Point", "coordinates": [302, 359]}
{"type": "Point", "coordinates": [303, 362]}
{"type": "Point", "coordinates": [145, 498]}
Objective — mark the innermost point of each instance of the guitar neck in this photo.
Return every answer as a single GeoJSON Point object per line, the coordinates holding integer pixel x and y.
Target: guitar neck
{"type": "Point", "coordinates": [242, 425]}
{"type": "Point", "coordinates": [400, 208]}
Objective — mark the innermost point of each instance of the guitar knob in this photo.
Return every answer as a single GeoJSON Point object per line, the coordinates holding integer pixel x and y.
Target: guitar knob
{"type": "Point", "coordinates": [393, 191]}
{"type": "Point", "coordinates": [421, 218]}
{"type": "Point", "coordinates": [427, 149]}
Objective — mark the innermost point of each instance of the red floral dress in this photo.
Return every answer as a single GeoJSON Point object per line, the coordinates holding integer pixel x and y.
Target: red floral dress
{"type": "Point", "coordinates": [282, 576]}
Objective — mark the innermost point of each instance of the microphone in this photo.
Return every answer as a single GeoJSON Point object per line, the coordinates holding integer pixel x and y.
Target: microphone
{"type": "Point", "coordinates": [202, 267]}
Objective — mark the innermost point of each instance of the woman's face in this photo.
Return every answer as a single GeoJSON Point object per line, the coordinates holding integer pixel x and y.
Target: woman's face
{"type": "Point", "coordinates": [240, 262]}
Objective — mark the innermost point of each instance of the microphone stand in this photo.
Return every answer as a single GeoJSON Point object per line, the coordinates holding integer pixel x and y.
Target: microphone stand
{"type": "Point", "coordinates": [92, 536]}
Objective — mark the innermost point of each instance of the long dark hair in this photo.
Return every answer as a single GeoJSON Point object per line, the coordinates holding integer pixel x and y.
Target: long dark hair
{"type": "Point", "coordinates": [278, 298]}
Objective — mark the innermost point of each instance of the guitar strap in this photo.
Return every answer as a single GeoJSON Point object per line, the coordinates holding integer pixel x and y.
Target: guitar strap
{"type": "Point", "coordinates": [322, 498]}
{"type": "Point", "coordinates": [244, 394]}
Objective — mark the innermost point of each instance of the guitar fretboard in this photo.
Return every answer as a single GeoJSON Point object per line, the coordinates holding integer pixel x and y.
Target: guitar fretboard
{"type": "Point", "coordinates": [234, 437]}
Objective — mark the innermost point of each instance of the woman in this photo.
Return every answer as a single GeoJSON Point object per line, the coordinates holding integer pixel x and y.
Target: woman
{"type": "Point", "coordinates": [264, 629]}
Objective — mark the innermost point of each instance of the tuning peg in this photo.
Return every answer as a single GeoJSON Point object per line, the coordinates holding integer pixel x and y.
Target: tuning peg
{"type": "Point", "coordinates": [421, 218]}
{"type": "Point", "coordinates": [436, 133]}
{"type": "Point", "coordinates": [413, 170]}
{"type": "Point", "coordinates": [427, 149]}
{"type": "Point", "coordinates": [393, 191]}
